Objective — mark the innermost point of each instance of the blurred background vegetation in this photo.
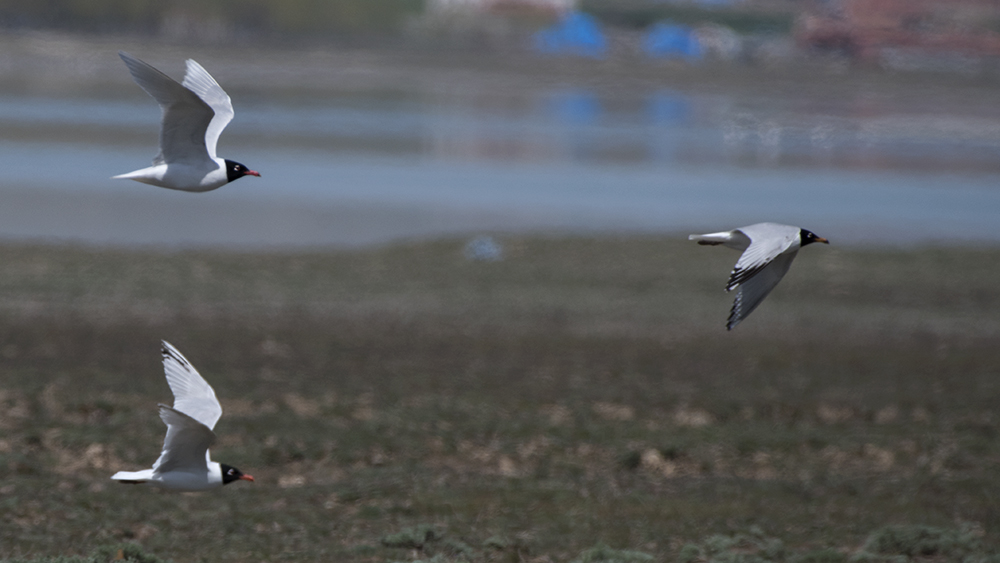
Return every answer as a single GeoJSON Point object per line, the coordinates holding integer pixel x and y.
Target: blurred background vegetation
{"type": "Point", "coordinates": [286, 18]}
{"type": "Point", "coordinates": [741, 17]}
{"type": "Point", "coordinates": [311, 19]}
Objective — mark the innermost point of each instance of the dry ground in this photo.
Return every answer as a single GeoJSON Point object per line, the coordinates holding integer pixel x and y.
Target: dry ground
{"type": "Point", "coordinates": [406, 403]}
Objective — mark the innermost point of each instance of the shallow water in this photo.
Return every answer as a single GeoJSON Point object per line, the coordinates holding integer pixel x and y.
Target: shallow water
{"type": "Point", "coordinates": [352, 169]}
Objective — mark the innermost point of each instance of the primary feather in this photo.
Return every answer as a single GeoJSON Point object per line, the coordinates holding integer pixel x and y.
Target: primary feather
{"type": "Point", "coordinates": [199, 81]}
{"type": "Point", "coordinates": [193, 395]}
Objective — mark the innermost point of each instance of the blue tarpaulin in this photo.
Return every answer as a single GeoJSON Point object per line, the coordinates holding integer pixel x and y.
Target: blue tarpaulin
{"type": "Point", "coordinates": [575, 34]}
{"type": "Point", "coordinates": [577, 107]}
{"type": "Point", "coordinates": [672, 40]}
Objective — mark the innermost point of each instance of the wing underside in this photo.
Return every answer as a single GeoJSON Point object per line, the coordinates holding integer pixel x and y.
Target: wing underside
{"type": "Point", "coordinates": [185, 117]}
{"type": "Point", "coordinates": [192, 394]}
{"type": "Point", "coordinates": [753, 289]}
{"type": "Point", "coordinates": [767, 242]}
{"type": "Point", "coordinates": [199, 81]}
{"type": "Point", "coordinates": [185, 447]}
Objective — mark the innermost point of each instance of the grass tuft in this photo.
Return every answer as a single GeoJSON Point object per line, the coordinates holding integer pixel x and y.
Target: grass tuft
{"type": "Point", "coordinates": [605, 554]}
{"type": "Point", "coordinates": [924, 541]}
{"type": "Point", "coordinates": [126, 552]}
{"type": "Point", "coordinates": [412, 538]}
{"type": "Point", "coordinates": [825, 555]}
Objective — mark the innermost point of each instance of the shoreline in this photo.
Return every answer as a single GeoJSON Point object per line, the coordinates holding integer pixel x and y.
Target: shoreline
{"type": "Point", "coordinates": [448, 172]}
{"type": "Point", "coordinates": [40, 60]}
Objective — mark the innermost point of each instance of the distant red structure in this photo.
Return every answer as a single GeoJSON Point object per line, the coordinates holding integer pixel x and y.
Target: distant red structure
{"type": "Point", "coordinates": [863, 29]}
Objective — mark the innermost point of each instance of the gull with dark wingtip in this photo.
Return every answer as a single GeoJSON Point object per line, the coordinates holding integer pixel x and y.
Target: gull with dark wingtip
{"type": "Point", "coordinates": [194, 115]}
{"type": "Point", "coordinates": [768, 251]}
{"type": "Point", "coordinates": [185, 464]}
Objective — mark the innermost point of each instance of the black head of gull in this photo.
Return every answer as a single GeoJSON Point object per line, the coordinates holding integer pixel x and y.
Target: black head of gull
{"type": "Point", "coordinates": [235, 171]}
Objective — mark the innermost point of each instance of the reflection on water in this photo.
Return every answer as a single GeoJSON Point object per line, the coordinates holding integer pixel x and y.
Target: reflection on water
{"type": "Point", "coordinates": [566, 158]}
{"type": "Point", "coordinates": [573, 107]}
{"type": "Point", "coordinates": [666, 127]}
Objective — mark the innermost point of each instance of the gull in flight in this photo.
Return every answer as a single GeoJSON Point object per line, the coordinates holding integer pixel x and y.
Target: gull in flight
{"type": "Point", "coordinates": [768, 251]}
{"type": "Point", "coordinates": [185, 464]}
{"type": "Point", "coordinates": [194, 115]}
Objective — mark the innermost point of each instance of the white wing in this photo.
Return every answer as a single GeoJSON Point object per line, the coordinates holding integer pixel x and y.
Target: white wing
{"type": "Point", "coordinates": [186, 117]}
{"type": "Point", "coordinates": [186, 446]}
{"type": "Point", "coordinates": [754, 289]}
{"type": "Point", "coordinates": [767, 242]}
{"type": "Point", "coordinates": [199, 81]}
{"type": "Point", "coordinates": [193, 396]}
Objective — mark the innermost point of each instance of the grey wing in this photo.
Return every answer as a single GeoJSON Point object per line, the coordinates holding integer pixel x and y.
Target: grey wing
{"type": "Point", "coordinates": [192, 394]}
{"type": "Point", "coordinates": [767, 242]}
{"type": "Point", "coordinates": [186, 446]}
{"type": "Point", "coordinates": [199, 81]}
{"type": "Point", "coordinates": [185, 117]}
{"type": "Point", "coordinates": [754, 289]}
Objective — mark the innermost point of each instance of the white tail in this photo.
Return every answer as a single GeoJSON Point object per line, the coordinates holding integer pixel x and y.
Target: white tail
{"type": "Point", "coordinates": [134, 477]}
{"type": "Point", "coordinates": [712, 238]}
{"type": "Point", "coordinates": [142, 174]}
{"type": "Point", "coordinates": [731, 239]}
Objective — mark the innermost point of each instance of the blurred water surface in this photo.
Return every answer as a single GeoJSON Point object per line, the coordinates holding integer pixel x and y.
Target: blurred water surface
{"type": "Point", "coordinates": [350, 169]}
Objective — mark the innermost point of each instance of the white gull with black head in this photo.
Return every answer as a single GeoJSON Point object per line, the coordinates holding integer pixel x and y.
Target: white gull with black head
{"type": "Point", "coordinates": [194, 115]}
{"type": "Point", "coordinates": [185, 463]}
{"type": "Point", "coordinates": [768, 251]}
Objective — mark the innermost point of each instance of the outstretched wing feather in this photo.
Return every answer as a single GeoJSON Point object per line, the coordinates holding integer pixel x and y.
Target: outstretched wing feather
{"type": "Point", "coordinates": [185, 116]}
{"type": "Point", "coordinates": [754, 289]}
{"type": "Point", "coordinates": [199, 81]}
{"type": "Point", "coordinates": [767, 242]}
{"type": "Point", "coordinates": [185, 447]}
{"type": "Point", "coordinates": [192, 394]}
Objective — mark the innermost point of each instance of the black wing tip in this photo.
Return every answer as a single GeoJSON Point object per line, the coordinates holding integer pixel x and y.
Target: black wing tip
{"type": "Point", "coordinates": [734, 313]}
{"type": "Point", "coordinates": [167, 350]}
{"type": "Point", "coordinates": [741, 275]}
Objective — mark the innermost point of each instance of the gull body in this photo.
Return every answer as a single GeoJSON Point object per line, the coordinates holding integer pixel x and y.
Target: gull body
{"type": "Point", "coordinates": [185, 464]}
{"type": "Point", "coordinates": [194, 114]}
{"type": "Point", "coordinates": [179, 481]}
{"type": "Point", "coordinates": [768, 250]}
{"type": "Point", "coordinates": [182, 176]}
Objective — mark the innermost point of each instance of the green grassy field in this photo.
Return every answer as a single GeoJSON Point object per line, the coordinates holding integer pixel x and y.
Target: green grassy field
{"type": "Point", "coordinates": [580, 400]}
